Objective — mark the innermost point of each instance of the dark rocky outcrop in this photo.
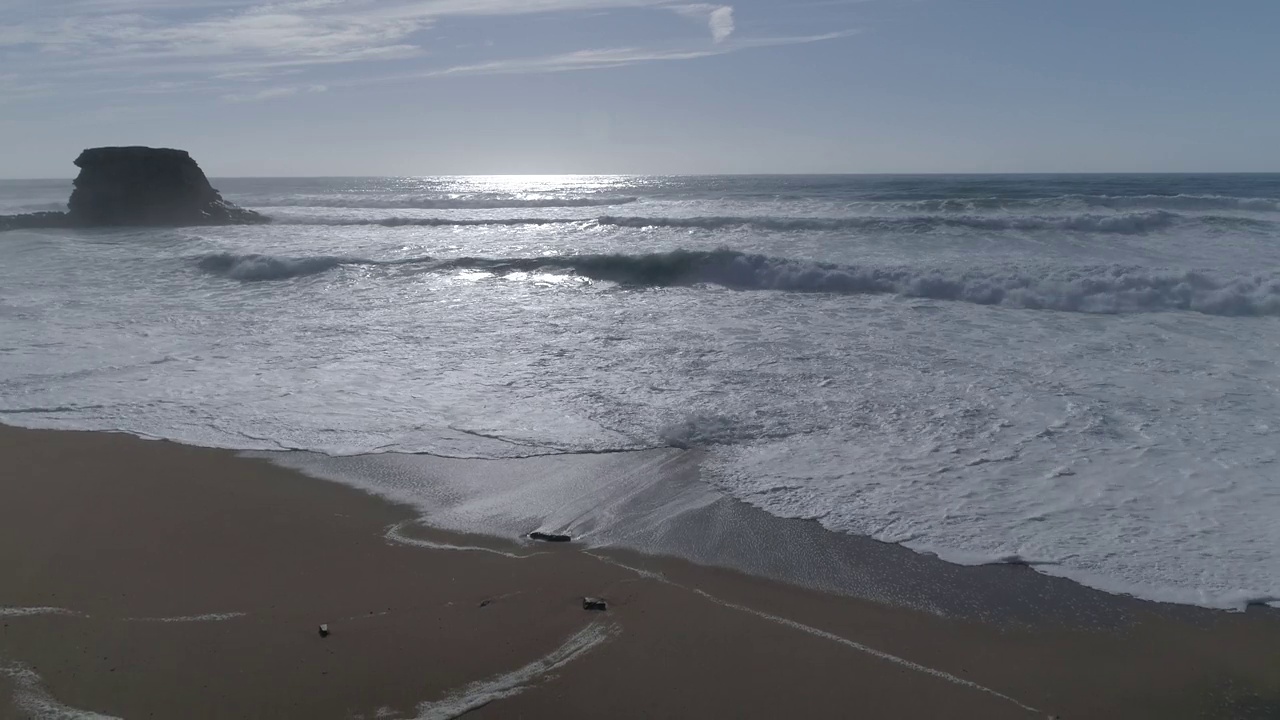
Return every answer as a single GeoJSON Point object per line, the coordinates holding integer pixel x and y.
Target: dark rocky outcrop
{"type": "Point", "coordinates": [129, 186]}
{"type": "Point", "coordinates": [146, 186]}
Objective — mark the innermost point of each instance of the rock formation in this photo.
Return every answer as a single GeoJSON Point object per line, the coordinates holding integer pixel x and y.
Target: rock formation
{"type": "Point", "coordinates": [139, 186]}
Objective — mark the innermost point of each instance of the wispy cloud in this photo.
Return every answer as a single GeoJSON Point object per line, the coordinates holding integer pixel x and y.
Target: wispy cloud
{"type": "Point", "coordinates": [273, 92]}
{"type": "Point", "coordinates": [577, 60]}
{"type": "Point", "coordinates": [14, 87]}
{"type": "Point", "coordinates": [232, 48]}
{"type": "Point", "coordinates": [719, 18]}
{"type": "Point", "coordinates": [301, 31]}
{"type": "Point", "coordinates": [617, 57]}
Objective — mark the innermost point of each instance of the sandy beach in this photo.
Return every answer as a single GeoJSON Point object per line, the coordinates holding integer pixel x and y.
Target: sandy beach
{"type": "Point", "coordinates": [149, 579]}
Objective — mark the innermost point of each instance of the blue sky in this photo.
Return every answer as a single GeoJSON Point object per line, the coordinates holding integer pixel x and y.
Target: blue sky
{"type": "Point", "coordinates": [414, 87]}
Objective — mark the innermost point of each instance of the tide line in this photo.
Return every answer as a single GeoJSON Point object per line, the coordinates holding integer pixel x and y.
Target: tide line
{"type": "Point", "coordinates": [940, 674]}
{"type": "Point", "coordinates": [395, 534]}
{"type": "Point", "coordinates": [31, 698]}
{"type": "Point", "coordinates": [500, 687]}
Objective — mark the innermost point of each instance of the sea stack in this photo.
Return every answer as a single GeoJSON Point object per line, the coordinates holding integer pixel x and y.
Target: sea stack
{"type": "Point", "coordinates": [148, 186]}
{"type": "Point", "coordinates": [130, 186]}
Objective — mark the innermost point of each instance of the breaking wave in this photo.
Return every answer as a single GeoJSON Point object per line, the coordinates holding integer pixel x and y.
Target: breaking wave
{"type": "Point", "coordinates": [431, 222]}
{"type": "Point", "coordinates": [1125, 224]}
{"type": "Point", "coordinates": [1092, 289]}
{"type": "Point", "coordinates": [1190, 203]}
{"type": "Point", "coordinates": [1134, 223]}
{"type": "Point", "coordinates": [1180, 202]}
{"type": "Point", "coordinates": [39, 208]}
{"type": "Point", "coordinates": [267, 267]}
{"type": "Point", "coordinates": [439, 203]}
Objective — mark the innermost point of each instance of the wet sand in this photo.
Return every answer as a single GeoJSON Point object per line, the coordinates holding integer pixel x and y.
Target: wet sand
{"type": "Point", "coordinates": [148, 579]}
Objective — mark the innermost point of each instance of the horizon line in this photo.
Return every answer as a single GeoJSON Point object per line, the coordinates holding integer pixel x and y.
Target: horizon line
{"type": "Point", "coordinates": [989, 173]}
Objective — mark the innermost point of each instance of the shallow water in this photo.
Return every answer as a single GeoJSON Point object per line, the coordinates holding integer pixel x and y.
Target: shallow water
{"type": "Point", "coordinates": [1077, 371]}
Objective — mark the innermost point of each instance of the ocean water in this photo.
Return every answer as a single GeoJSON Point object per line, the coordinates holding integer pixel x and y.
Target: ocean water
{"type": "Point", "coordinates": [1077, 372]}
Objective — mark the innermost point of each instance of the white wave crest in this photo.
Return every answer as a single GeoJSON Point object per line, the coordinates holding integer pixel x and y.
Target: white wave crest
{"type": "Point", "coordinates": [1135, 223]}
{"type": "Point", "coordinates": [1098, 289]}
{"type": "Point", "coordinates": [1070, 203]}
{"type": "Point", "coordinates": [266, 267]}
{"type": "Point", "coordinates": [437, 203]}
{"type": "Point", "coordinates": [1180, 202]}
{"type": "Point", "coordinates": [425, 222]}
{"type": "Point", "coordinates": [39, 207]}
{"type": "Point", "coordinates": [1124, 223]}
{"type": "Point", "coordinates": [1092, 289]}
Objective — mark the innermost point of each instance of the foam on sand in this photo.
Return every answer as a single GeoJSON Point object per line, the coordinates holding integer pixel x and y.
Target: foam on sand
{"type": "Point", "coordinates": [31, 698]}
{"type": "Point", "coordinates": [479, 694]}
{"type": "Point", "coordinates": [396, 534]}
{"type": "Point", "coordinates": [209, 617]}
{"type": "Point", "coordinates": [11, 612]}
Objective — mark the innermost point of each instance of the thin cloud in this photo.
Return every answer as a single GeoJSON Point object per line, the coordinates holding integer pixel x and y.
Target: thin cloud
{"type": "Point", "coordinates": [617, 57]}
{"type": "Point", "coordinates": [565, 62]}
{"type": "Point", "coordinates": [303, 31]}
{"type": "Point", "coordinates": [14, 87]}
{"type": "Point", "coordinates": [272, 93]}
{"type": "Point", "coordinates": [719, 18]}
{"type": "Point", "coordinates": [233, 48]}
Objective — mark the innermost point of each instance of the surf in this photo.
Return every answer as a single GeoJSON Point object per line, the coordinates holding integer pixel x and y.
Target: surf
{"type": "Point", "coordinates": [1106, 289]}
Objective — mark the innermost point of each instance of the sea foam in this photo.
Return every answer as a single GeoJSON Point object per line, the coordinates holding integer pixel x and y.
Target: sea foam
{"type": "Point", "coordinates": [440, 203]}
{"type": "Point", "coordinates": [1091, 289]}
{"type": "Point", "coordinates": [1132, 223]}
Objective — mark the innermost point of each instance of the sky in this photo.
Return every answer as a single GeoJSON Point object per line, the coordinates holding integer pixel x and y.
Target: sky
{"type": "Point", "coordinates": [427, 87]}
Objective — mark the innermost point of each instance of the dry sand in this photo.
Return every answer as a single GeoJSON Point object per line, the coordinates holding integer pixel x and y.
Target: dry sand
{"type": "Point", "coordinates": [147, 579]}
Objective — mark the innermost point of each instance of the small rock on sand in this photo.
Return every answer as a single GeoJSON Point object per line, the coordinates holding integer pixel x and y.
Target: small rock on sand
{"type": "Point", "coordinates": [549, 537]}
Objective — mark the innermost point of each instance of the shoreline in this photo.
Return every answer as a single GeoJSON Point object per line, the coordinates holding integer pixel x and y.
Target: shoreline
{"type": "Point", "coordinates": [882, 579]}
{"type": "Point", "coordinates": [151, 577]}
{"type": "Point", "coordinates": [654, 502]}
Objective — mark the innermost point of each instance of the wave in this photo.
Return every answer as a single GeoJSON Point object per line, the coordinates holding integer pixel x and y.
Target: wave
{"type": "Point", "coordinates": [1117, 223]}
{"type": "Point", "coordinates": [1126, 224]}
{"type": "Point", "coordinates": [702, 430]}
{"type": "Point", "coordinates": [48, 410]}
{"type": "Point", "coordinates": [268, 267]}
{"type": "Point", "coordinates": [1180, 202]}
{"type": "Point", "coordinates": [38, 208]}
{"type": "Point", "coordinates": [1093, 289]}
{"type": "Point", "coordinates": [1059, 203]}
{"type": "Point", "coordinates": [1120, 223]}
{"type": "Point", "coordinates": [439, 203]}
{"type": "Point", "coordinates": [429, 222]}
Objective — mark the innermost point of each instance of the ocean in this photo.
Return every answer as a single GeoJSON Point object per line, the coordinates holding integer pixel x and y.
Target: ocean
{"type": "Point", "coordinates": [1079, 373]}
